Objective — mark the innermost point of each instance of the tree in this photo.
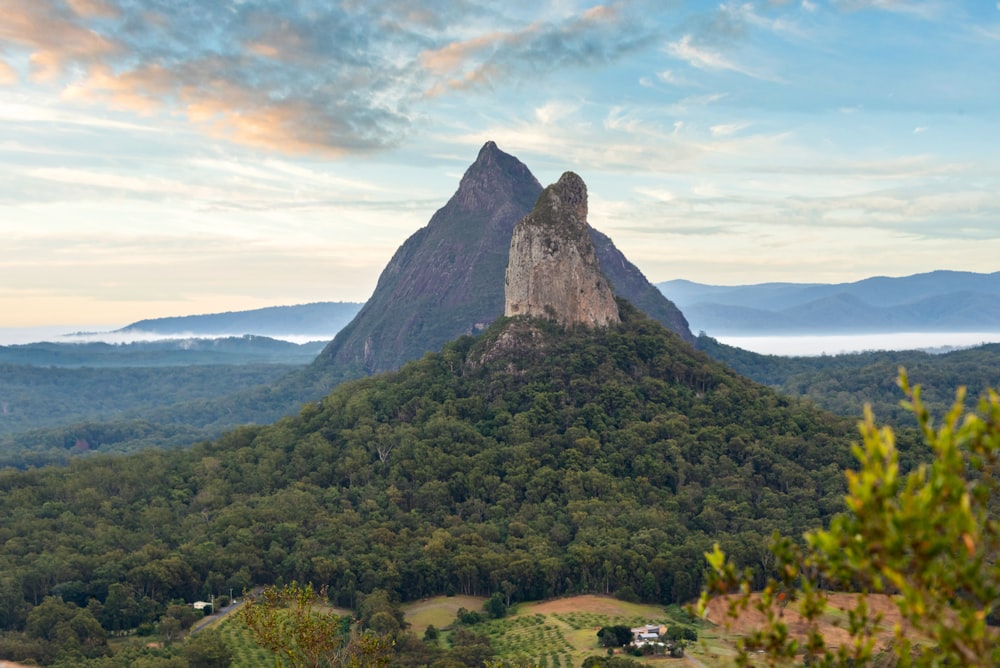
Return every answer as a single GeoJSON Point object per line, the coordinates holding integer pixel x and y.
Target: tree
{"type": "Point", "coordinates": [930, 537]}
{"type": "Point", "coordinates": [495, 606]}
{"type": "Point", "coordinates": [614, 636]}
{"type": "Point", "coordinates": [291, 623]}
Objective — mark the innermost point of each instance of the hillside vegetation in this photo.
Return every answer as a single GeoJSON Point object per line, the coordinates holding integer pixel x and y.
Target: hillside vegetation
{"type": "Point", "coordinates": [843, 384]}
{"type": "Point", "coordinates": [530, 461]}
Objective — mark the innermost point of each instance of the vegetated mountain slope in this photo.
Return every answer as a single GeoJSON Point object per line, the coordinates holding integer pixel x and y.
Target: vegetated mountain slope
{"type": "Point", "coordinates": [935, 301]}
{"type": "Point", "coordinates": [448, 278]}
{"type": "Point", "coordinates": [845, 383]}
{"type": "Point", "coordinates": [50, 414]}
{"type": "Point", "coordinates": [320, 319]}
{"type": "Point", "coordinates": [553, 461]}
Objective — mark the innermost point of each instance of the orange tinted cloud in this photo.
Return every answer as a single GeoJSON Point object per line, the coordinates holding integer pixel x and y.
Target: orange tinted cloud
{"type": "Point", "coordinates": [51, 37]}
{"type": "Point", "coordinates": [144, 89]}
{"type": "Point", "coordinates": [92, 8]}
{"type": "Point", "coordinates": [8, 76]}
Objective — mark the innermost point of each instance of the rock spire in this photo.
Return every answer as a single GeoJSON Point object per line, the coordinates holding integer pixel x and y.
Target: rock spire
{"type": "Point", "coordinates": [553, 271]}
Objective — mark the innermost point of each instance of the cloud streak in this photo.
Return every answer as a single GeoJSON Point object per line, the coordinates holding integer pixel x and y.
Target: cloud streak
{"type": "Point", "coordinates": [308, 77]}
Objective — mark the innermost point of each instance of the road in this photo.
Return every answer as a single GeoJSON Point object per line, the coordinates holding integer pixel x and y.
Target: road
{"type": "Point", "coordinates": [216, 616]}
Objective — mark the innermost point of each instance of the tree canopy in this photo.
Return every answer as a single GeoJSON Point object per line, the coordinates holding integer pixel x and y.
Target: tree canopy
{"type": "Point", "coordinates": [930, 538]}
{"type": "Point", "coordinates": [531, 461]}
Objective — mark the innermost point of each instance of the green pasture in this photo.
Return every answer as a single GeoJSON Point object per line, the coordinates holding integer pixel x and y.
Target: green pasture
{"type": "Point", "coordinates": [534, 635]}
{"type": "Point", "coordinates": [439, 611]}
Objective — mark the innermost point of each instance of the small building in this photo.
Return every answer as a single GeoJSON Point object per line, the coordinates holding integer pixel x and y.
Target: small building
{"type": "Point", "coordinates": [650, 633]}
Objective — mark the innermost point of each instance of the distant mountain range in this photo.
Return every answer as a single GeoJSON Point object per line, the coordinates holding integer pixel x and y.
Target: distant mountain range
{"type": "Point", "coordinates": [321, 320]}
{"type": "Point", "coordinates": [245, 349]}
{"type": "Point", "coordinates": [936, 301]}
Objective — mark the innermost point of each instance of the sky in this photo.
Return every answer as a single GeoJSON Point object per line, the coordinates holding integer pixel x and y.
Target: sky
{"type": "Point", "coordinates": [177, 157]}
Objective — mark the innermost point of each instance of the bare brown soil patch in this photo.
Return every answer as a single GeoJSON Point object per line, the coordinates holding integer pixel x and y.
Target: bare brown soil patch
{"type": "Point", "coordinates": [832, 625]}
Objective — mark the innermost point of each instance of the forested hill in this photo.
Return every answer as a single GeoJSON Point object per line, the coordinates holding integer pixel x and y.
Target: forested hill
{"type": "Point", "coordinates": [844, 384]}
{"type": "Point", "coordinates": [528, 459]}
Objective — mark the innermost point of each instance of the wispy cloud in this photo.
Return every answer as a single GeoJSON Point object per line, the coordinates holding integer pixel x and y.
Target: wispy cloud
{"type": "Point", "coordinates": [726, 129]}
{"type": "Point", "coordinates": [705, 57]}
{"type": "Point", "coordinates": [304, 77]}
{"type": "Point", "coordinates": [597, 36]}
{"type": "Point", "coordinates": [925, 10]}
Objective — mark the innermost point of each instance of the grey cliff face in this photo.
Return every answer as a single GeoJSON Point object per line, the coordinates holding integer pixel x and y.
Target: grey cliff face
{"type": "Point", "coordinates": [447, 279]}
{"type": "Point", "coordinates": [553, 271]}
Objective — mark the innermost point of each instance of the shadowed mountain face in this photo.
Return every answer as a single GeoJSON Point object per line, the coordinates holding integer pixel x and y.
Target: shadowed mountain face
{"type": "Point", "coordinates": [448, 278]}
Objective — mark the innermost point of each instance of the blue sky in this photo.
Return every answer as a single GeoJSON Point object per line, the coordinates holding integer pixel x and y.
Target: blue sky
{"type": "Point", "coordinates": [171, 157]}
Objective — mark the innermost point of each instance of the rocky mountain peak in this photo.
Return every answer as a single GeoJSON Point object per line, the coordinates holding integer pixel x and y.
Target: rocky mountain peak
{"type": "Point", "coordinates": [553, 271]}
{"type": "Point", "coordinates": [492, 179]}
{"type": "Point", "coordinates": [447, 279]}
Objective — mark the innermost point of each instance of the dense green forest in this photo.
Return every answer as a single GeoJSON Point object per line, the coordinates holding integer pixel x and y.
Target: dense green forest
{"type": "Point", "coordinates": [843, 384]}
{"type": "Point", "coordinates": [50, 415]}
{"type": "Point", "coordinates": [530, 461]}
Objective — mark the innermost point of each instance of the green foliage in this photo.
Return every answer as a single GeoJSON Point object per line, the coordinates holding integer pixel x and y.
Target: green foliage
{"type": "Point", "coordinates": [531, 461]}
{"type": "Point", "coordinates": [288, 622]}
{"type": "Point", "coordinates": [468, 617]}
{"type": "Point", "coordinates": [610, 662]}
{"type": "Point", "coordinates": [246, 652]}
{"type": "Point", "coordinates": [846, 383]}
{"type": "Point", "coordinates": [930, 538]}
{"type": "Point", "coordinates": [524, 636]}
{"type": "Point", "coordinates": [49, 415]}
{"type": "Point", "coordinates": [207, 649]}
{"type": "Point", "coordinates": [495, 606]}
{"type": "Point", "coordinates": [614, 636]}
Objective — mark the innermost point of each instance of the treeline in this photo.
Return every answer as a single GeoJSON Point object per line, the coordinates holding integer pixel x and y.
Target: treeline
{"type": "Point", "coordinates": [529, 461]}
{"type": "Point", "coordinates": [843, 384]}
{"type": "Point", "coordinates": [48, 415]}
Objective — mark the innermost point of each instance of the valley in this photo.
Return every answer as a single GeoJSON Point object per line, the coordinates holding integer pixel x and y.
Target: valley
{"type": "Point", "coordinates": [568, 455]}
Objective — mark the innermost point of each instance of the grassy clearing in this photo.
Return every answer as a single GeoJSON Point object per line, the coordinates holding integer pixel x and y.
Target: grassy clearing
{"type": "Point", "coordinates": [562, 633]}
{"type": "Point", "coordinates": [439, 611]}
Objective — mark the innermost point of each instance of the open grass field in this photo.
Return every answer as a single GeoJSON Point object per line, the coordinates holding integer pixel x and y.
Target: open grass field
{"type": "Point", "coordinates": [439, 611]}
{"type": "Point", "coordinates": [561, 633]}
{"type": "Point", "coordinates": [558, 633]}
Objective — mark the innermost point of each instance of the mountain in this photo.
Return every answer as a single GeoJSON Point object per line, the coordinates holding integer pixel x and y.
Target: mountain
{"type": "Point", "coordinates": [447, 279]}
{"type": "Point", "coordinates": [553, 269]}
{"type": "Point", "coordinates": [574, 446]}
{"type": "Point", "coordinates": [580, 460]}
{"type": "Point", "coordinates": [934, 301]}
{"type": "Point", "coordinates": [321, 320]}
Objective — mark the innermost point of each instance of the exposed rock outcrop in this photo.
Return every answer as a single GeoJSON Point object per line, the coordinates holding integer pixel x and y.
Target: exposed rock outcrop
{"type": "Point", "coordinates": [447, 279]}
{"type": "Point", "coordinates": [553, 271]}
